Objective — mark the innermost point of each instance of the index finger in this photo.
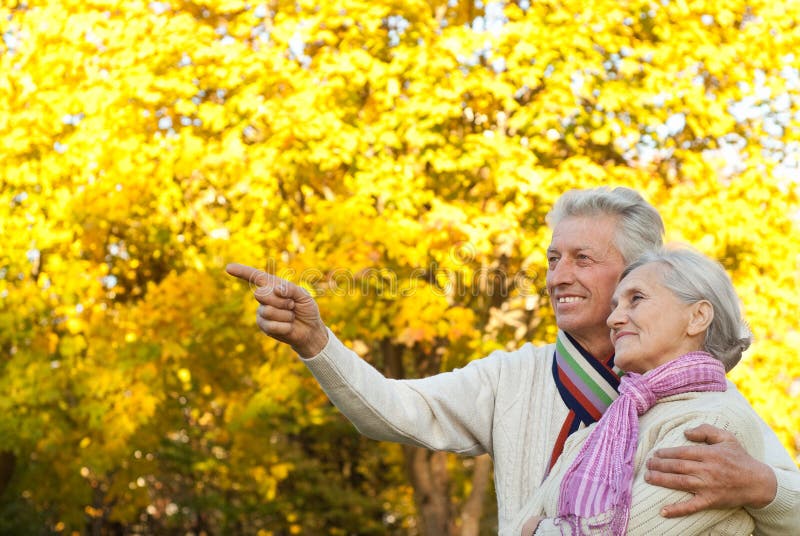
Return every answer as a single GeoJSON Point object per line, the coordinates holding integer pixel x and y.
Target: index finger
{"type": "Point", "coordinates": [689, 453]}
{"type": "Point", "coordinates": [252, 275]}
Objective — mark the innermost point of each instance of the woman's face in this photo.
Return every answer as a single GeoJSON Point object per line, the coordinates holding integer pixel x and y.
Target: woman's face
{"type": "Point", "coordinates": [649, 324]}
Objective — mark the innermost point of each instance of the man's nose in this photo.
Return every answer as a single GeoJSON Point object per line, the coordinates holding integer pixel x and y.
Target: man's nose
{"type": "Point", "coordinates": [561, 273]}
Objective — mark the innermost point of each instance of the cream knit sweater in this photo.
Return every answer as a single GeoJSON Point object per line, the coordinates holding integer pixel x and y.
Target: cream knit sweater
{"type": "Point", "coordinates": [662, 426]}
{"type": "Point", "coordinates": [505, 405]}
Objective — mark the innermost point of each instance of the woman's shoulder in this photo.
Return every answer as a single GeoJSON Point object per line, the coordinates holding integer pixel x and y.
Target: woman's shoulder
{"type": "Point", "coordinates": [705, 402]}
{"type": "Point", "coordinates": [727, 410]}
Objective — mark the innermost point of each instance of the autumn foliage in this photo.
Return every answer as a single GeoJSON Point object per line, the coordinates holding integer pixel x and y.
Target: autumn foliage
{"type": "Point", "coordinates": [396, 157]}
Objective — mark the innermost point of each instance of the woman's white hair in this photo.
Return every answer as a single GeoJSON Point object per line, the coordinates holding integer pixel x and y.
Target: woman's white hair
{"type": "Point", "coordinates": [639, 225]}
{"type": "Point", "coordinates": [693, 277]}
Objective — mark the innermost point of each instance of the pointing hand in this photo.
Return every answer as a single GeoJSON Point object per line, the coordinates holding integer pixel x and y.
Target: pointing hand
{"type": "Point", "coordinates": [287, 313]}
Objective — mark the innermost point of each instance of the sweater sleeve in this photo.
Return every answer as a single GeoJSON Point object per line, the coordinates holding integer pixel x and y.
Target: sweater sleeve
{"type": "Point", "coordinates": [449, 411]}
{"type": "Point", "coordinates": [781, 516]}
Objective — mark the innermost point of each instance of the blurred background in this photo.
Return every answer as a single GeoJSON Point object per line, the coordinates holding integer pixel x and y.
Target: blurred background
{"type": "Point", "coordinates": [395, 157]}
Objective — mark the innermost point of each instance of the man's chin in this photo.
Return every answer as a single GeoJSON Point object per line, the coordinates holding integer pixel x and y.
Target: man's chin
{"type": "Point", "coordinates": [570, 322]}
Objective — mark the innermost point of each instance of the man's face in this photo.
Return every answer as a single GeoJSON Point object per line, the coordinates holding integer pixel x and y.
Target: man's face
{"type": "Point", "coordinates": [583, 269]}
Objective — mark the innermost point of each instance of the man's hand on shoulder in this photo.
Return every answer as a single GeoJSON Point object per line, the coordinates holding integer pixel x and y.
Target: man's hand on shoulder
{"type": "Point", "coordinates": [718, 471]}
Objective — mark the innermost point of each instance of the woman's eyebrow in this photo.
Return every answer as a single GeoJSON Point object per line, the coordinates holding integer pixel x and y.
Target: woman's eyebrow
{"type": "Point", "coordinates": [625, 292]}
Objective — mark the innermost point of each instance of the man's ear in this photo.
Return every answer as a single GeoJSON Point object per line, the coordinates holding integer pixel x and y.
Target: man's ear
{"type": "Point", "coordinates": [701, 315]}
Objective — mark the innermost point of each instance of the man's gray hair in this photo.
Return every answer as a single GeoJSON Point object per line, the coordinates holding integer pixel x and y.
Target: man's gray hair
{"type": "Point", "coordinates": [639, 225]}
{"type": "Point", "coordinates": [693, 277]}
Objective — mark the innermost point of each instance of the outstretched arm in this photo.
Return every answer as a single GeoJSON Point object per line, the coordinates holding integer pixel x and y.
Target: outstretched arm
{"type": "Point", "coordinates": [450, 411]}
{"type": "Point", "coordinates": [287, 312]}
{"type": "Point", "coordinates": [721, 474]}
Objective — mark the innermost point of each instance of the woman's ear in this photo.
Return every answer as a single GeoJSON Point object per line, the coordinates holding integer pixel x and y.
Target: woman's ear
{"type": "Point", "coordinates": [701, 315]}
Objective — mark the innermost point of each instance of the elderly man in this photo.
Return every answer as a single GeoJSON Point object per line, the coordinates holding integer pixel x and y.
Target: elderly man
{"type": "Point", "coordinates": [521, 406]}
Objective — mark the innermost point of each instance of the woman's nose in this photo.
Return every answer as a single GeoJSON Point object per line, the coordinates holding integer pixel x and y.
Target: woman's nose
{"type": "Point", "coordinates": [616, 318]}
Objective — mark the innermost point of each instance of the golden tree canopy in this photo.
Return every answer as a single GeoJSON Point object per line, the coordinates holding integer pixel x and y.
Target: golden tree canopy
{"type": "Point", "coordinates": [395, 157]}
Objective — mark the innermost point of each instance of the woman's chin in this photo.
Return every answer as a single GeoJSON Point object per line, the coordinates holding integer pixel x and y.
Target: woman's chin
{"type": "Point", "coordinates": [621, 361]}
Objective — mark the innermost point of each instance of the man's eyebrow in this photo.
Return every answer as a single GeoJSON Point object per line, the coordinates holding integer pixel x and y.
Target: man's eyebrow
{"type": "Point", "coordinates": [570, 250]}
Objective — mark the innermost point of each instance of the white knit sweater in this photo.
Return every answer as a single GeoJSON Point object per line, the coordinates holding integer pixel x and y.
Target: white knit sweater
{"type": "Point", "coordinates": [660, 427]}
{"type": "Point", "coordinates": [506, 405]}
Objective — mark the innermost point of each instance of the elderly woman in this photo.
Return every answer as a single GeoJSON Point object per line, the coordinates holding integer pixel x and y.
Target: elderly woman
{"type": "Point", "coordinates": [676, 329]}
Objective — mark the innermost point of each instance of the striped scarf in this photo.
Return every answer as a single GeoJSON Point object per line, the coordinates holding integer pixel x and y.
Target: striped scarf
{"type": "Point", "coordinates": [601, 476]}
{"type": "Point", "coordinates": [586, 385]}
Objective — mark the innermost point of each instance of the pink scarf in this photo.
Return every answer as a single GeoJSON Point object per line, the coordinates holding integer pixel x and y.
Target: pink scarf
{"type": "Point", "coordinates": [600, 478]}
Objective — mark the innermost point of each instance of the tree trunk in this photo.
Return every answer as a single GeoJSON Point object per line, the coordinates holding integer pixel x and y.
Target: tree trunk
{"type": "Point", "coordinates": [473, 506]}
{"type": "Point", "coordinates": [7, 463]}
{"type": "Point", "coordinates": [427, 471]}
{"type": "Point", "coordinates": [97, 519]}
